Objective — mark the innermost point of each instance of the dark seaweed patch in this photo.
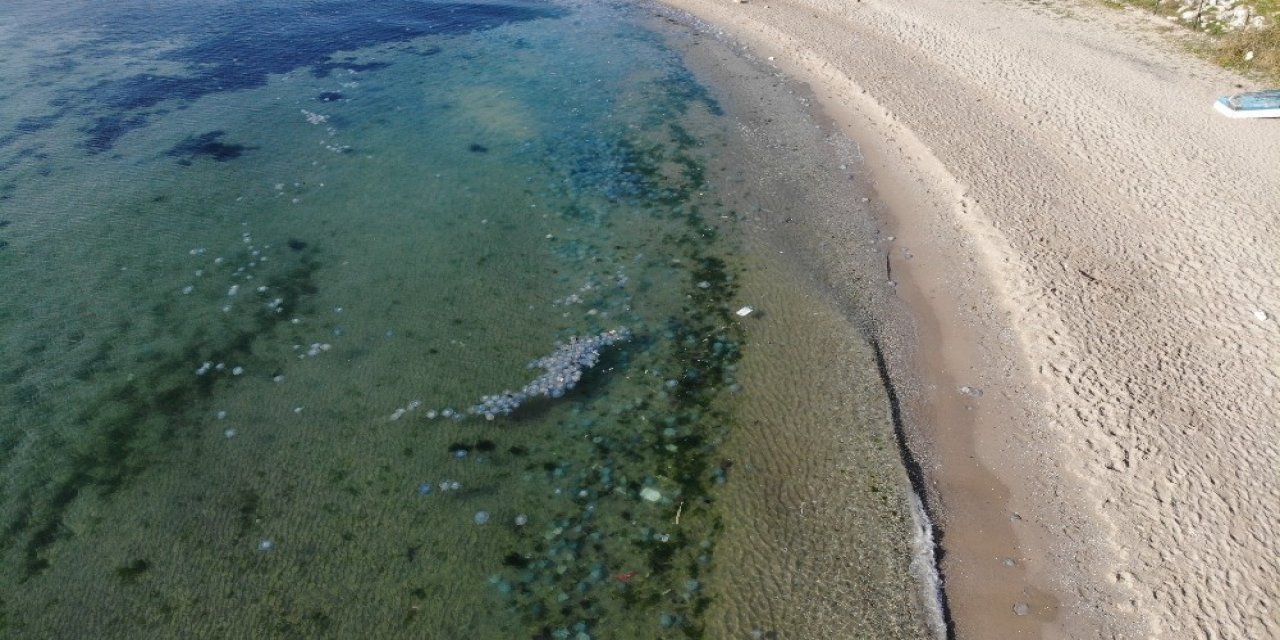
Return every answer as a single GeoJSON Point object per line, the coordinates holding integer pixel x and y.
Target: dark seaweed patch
{"type": "Point", "coordinates": [130, 573]}
{"type": "Point", "coordinates": [207, 145]}
{"type": "Point", "coordinates": [106, 130]}
{"type": "Point", "coordinates": [232, 51]}
{"type": "Point", "coordinates": [29, 125]}
{"type": "Point", "coordinates": [62, 65]}
{"type": "Point", "coordinates": [330, 96]}
{"type": "Point", "coordinates": [249, 501]}
{"type": "Point", "coordinates": [478, 148]}
{"type": "Point", "coordinates": [684, 90]}
{"type": "Point", "coordinates": [515, 561]}
{"type": "Point", "coordinates": [32, 124]}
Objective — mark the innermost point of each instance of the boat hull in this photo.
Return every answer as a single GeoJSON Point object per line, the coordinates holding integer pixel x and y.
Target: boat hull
{"type": "Point", "coordinates": [1256, 104]}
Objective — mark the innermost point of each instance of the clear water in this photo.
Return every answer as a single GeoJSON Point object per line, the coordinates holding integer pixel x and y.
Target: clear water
{"type": "Point", "coordinates": [255, 254]}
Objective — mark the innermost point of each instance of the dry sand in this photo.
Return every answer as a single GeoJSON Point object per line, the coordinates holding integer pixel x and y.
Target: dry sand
{"type": "Point", "coordinates": [1081, 238]}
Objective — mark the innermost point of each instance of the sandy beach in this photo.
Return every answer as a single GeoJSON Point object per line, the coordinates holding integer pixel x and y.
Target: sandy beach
{"type": "Point", "coordinates": [1091, 259]}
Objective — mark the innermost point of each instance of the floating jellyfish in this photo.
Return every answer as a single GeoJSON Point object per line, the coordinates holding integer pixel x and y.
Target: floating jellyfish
{"type": "Point", "coordinates": [563, 370]}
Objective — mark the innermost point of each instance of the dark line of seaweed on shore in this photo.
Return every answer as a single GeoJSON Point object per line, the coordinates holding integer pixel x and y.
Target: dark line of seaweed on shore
{"type": "Point", "coordinates": [916, 476]}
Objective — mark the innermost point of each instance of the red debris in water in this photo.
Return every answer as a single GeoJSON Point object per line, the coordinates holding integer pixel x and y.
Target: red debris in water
{"type": "Point", "coordinates": [625, 577]}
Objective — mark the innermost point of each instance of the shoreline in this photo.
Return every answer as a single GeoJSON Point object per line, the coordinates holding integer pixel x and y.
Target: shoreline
{"type": "Point", "coordinates": [1040, 261]}
{"type": "Point", "coordinates": [825, 538]}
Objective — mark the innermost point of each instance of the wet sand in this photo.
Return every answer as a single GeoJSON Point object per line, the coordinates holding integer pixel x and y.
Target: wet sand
{"type": "Point", "coordinates": [821, 538]}
{"type": "Point", "coordinates": [1092, 271]}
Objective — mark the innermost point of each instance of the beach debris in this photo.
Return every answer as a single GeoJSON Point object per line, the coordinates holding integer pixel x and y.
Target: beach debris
{"type": "Point", "coordinates": [744, 312]}
{"type": "Point", "coordinates": [972, 392]}
{"type": "Point", "coordinates": [1021, 608]}
{"type": "Point", "coordinates": [650, 494]}
{"type": "Point", "coordinates": [1260, 315]}
{"type": "Point", "coordinates": [230, 433]}
{"type": "Point", "coordinates": [481, 517]}
{"type": "Point", "coordinates": [1252, 104]}
{"type": "Point", "coordinates": [266, 545]}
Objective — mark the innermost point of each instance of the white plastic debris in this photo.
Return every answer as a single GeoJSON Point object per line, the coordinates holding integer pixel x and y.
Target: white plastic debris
{"type": "Point", "coordinates": [745, 311]}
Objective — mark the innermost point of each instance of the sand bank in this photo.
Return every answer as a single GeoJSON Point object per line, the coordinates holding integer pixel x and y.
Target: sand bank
{"type": "Point", "coordinates": [1092, 257]}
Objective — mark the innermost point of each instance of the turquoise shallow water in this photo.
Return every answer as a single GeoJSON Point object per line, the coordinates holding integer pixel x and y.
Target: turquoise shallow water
{"type": "Point", "coordinates": [260, 262]}
{"type": "Point", "coordinates": [248, 269]}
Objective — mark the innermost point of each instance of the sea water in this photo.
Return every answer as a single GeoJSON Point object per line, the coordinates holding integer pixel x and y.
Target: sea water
{"type": "Point", "coordinates": [406, 319]}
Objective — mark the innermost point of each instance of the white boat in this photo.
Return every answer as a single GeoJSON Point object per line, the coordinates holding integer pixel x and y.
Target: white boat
{"type": "Point", "coordinates": [1255, 104]}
